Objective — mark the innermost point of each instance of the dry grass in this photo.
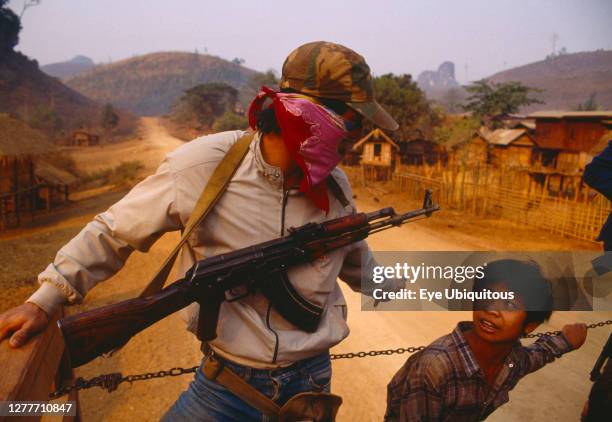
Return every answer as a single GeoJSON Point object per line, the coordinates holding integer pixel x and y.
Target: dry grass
{"type": "Point", "coordinates": [26, 251]}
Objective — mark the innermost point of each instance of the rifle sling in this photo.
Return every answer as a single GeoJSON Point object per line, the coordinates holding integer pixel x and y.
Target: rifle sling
{"type": "Point", "coordinates": [216, 186]}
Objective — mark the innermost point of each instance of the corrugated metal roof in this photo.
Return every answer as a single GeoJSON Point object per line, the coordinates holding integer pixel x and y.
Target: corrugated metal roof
{"type": "Point", "coordinates": [502, 136]}
{"type": "Point", "coordinates": [17, 138]}
{"type": "Point", "coordinates": [557, 114]}
{"type": "Point", "coordinates": [529, 124]}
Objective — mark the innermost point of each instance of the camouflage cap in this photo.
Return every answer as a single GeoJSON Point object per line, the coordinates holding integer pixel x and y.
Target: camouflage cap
{"type": "Point", "coordinates": [327, 70]}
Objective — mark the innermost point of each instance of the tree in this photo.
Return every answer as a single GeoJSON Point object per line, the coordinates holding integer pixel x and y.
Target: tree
{"type": "Point", "coordinates": [10, 25]}
{"type": "Point", "coordinates": [488, 101]}
{"type": "Point", "coordinates": [203, 103]}
{"type": "Point", "coordinates": [590, 104]}
{"type": "Point", "coordinates": [109, 119]}
{"type": "Point", "coordinates": [403, 99]}
{"type": "Point", "coordinates": [229, 121]}
{"type": "Point", "coordinates": [269, 78]}
{"type": "Point", "coordinates": [27, 4]}
{"type": "Point", "coordinates": [238, 61]}
{"type": "Point", "coordinates": [456, 130]}
{"type": "Point", "coordinates": [452, 100]}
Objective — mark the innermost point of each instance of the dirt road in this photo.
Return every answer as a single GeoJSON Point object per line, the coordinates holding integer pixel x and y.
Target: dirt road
{"type": "Point", "coordinates": [152, 143]}
{"type": "Point", "coordinates": [555, 393]}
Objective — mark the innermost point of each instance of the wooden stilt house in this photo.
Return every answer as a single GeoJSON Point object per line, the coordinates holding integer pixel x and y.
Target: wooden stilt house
{"type": "Point", "coordinates": [378, 154]}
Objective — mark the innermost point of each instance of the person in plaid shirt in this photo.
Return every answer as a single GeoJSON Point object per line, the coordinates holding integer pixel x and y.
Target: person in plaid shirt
{"type": "Point", "coordinates": [467, 374]}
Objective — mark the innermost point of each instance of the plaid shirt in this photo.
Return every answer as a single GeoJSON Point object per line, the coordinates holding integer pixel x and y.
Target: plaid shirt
{"type": "Point", "coordinates": [443, 382]}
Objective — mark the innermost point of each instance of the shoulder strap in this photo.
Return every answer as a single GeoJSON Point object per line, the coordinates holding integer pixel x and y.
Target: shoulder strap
{"type": "Point", "coordinates": [216, 186]}
{"type": "Point", "coordinates": [337, 191]}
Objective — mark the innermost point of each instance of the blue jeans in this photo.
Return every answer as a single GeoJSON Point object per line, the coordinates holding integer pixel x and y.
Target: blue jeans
{"type": "Point", "coordinates": [207, 400]}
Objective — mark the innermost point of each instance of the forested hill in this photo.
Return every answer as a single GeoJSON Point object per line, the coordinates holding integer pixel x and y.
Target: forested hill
{"type": "Point", "coordinates": [35, 97]}
{"type": "Point", "coordinates": [567, 80]}
{"type": "Point", "coordinates": [151, 84]}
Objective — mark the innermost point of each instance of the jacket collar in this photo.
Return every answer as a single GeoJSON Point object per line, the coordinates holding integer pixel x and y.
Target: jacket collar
{"type": "Point", "coordinates": [272, 174]}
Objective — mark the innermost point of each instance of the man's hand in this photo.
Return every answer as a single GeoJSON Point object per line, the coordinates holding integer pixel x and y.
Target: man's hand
{"type": "Point", "coordinates": [22, 322]}
{"type": "Point", "coordinates": [575, 334]}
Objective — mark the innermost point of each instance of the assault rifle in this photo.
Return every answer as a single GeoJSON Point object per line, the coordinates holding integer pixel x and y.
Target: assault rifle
{"type": "Point", "coordinates": [261, 267]}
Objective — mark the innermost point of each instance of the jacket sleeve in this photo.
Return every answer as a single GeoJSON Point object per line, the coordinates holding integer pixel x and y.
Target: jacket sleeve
{"type": "Point", "coordinates": [545, 350]}
{"type": "Point", "coordinates": [598, 174]}
{"type": "Point", "coordinates": [358, 271]}
{"type": "Point", "coordinates": [103, 246]}
{"type": "Point", "coordinates": [357, 263]}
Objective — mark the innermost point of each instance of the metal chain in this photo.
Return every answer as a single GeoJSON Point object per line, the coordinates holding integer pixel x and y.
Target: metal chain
{"type": "Point", "coordinates": [387, 352]}
{"type": "Point", "coordinates": [110, 382]}
{"type": "Point", "coordinates": [556, 333]}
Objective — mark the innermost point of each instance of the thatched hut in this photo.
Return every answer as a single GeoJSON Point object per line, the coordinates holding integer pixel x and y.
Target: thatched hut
{"type": "Point", "coordinates": [19, 146]}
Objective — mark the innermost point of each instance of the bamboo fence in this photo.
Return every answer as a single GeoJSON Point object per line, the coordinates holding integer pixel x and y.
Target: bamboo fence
{"type": "Point", "coordinates": [484, 191]}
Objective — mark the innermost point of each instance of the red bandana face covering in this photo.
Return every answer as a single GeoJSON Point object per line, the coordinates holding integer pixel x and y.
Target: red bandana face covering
{"type": "Point", "coordinates": [311, 133]}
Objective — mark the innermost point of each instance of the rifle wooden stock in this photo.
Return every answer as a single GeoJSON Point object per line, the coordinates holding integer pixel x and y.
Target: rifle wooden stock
{"type": "Point", "coordinates": [89, 334]}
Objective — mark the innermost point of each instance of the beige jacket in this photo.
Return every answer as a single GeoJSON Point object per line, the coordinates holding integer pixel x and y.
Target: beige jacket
{"type": "Point", "coordinates": [253, 209]}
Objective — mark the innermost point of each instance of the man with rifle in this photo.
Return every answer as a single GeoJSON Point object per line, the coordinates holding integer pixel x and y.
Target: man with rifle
{"type": "Point", "coordinates": [282, 175]}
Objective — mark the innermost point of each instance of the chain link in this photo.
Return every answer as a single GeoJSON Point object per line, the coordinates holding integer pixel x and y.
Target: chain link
{"type": "Point", "coordinates": [110, 382]}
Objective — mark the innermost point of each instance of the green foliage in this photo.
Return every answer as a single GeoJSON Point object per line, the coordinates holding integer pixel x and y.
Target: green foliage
{"type": "Point", "coordinates": [46, 120]}
{"type": "Point", "coordinates": [203, 104]}
{"type": "Point", "coordinates": [269, 79]}
{"type": "Point", "coordinates": [590, 104]}
{"type": "Point", "coordinates": [488, 100]}
{"type": "Point", "coordinates": [109, 119]}
{"type": "Point", "coordinates": [456, 131]}
{"type": "Point", "coordinates": [401, 97]}
{"type": "Point", "coordinates": [10, 26]}
{"type": "Point", "coordinates": [229, 121]}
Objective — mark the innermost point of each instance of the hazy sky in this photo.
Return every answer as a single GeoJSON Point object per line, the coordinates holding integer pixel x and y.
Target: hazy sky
{"type": "Point", "coordinates": [399, 36]}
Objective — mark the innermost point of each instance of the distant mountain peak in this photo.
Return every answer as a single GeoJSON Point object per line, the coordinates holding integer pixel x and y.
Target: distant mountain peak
{"type": "Point", "coordinates": [82, 60]}
{"type": "Point", "coordinates": [443, 78]}
{"type": "Point", "coordinates": [69, 68]}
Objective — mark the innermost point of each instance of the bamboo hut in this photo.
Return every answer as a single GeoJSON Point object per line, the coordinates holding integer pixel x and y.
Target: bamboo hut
{"type": "Point", "coordinates": [378, 154]}
{"type": "Point", "coordinates": [511, 147]}
{"type": "Point", "coordinates": [82, 138]}
{"type": "Point", "coordinates": [469, 152]}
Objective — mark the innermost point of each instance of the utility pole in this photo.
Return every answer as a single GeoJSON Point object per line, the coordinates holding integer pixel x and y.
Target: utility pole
{"type": "Point", "coordinates": [555, 38]}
